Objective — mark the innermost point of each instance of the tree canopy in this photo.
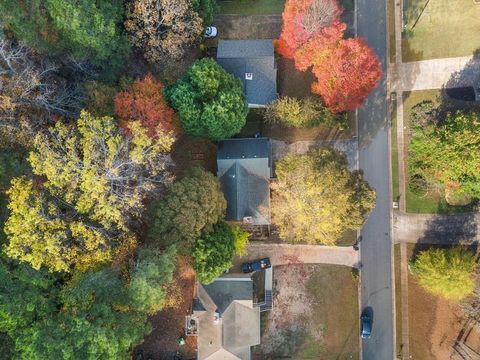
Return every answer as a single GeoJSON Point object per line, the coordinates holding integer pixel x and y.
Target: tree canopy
{"type": "Point", "coordinates": [316, 198]}
{"type": "Point", "coordinates": [446, 272]}
{"type": "Point", "coordinates": [191, 205]}
{"type": "Point", "coordinates": [308, 112]}
{"type": "Point", "coordinates": [144, 102]}
{"type": "Point", "coordinates": [446, 153]}
{"type": "Point", "coordinates": [95, 181]}
{"type": "Point", "coordinates": [312, 35]}
{"type": "Point", "coordinates": [163, 28]}
{"type": "Point", "coordinates": [213, 253]}
{"type": "Point", "coordinates": [209, 101]}
{"type": "Point", "coordinates": [88, 28]}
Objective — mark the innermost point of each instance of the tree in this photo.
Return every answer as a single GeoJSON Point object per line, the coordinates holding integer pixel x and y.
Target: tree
{"type": "Point", "coordinates": [95, 182]}
{"type": "Point", "coordinates": [144, 101]}
{"type": "Point", "coordinates": [447, 154]}
{"type": "Point", "coordinates": [210, 101]}
{"type": "Point", "coordinates": [87, 28]}
{"type": "Point", "coordinates": [446, 272]}
{"type": "Point", "coordinates": [316, 198]}
{"type": "Point", "coordinates": [205, 9]}
{"type": "Point", "coordinates": [152, 272]}
{"type": "Point", "coordinates": [162, 28]}
{"type": "Point", "coordinates": [346, 69]}
{"type": "Point", "coordinates": [347, 75]}
{"type": "Point", "coordinates": [303, 19]}
{"type": "Point", "coordinates": [191, 205]}
{"type": "Point", "coordinates": [30, 90]}
{"type": "Point", "coordinates": [13, 163]}
{"type": "Point", "coordinates": [213, 253]}
{"type": "Point", "coordinates": [308, 112]}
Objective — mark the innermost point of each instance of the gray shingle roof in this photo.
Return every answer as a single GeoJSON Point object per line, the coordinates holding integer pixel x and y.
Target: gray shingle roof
{"type": "Point", "coordinates": [223, 292]}
{"type": "Point", "coordinates": [244, 171]}
{"type": "Point", "coordinates": [256, 57]}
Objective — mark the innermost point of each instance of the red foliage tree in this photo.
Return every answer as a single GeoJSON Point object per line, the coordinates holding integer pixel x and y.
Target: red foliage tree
{"type": "Point", "coordinates": [303, 19]}
{"type": "Point", "coordinates": [312, 35]}
{"type": "Point", "coordinates": [145, 102]}
{"type": "Point", "coordinates": [347, 75]}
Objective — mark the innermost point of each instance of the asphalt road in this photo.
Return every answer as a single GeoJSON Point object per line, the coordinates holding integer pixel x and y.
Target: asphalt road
{"type": "Point", "coordinates": [373, 128]}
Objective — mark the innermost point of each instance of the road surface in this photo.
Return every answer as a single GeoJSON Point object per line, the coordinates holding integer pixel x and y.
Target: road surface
{"type": "Point", "coordinates": [376, 243]}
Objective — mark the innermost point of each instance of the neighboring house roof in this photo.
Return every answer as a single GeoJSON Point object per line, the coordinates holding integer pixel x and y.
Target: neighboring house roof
{"type": "Point", "coordinates": [239, 325]}
{"type": "Point", "coordinates": [255, 60]}
{"type": "Point", "coordinates": [244, 170]}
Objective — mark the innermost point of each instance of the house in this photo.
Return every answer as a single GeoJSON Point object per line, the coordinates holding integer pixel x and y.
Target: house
{"type": "Point", "coordinates": [224, 319]}
{"type": "Point", "coordinates": [253, 62]}
{"type": "Point", "coordinates": [244, 171]}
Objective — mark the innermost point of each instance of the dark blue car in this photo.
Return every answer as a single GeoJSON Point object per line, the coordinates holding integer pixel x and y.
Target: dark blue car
{"type": "Point", "coordinates": [262, 264]}
{"type": "Point", "coordinates": [367, 321]}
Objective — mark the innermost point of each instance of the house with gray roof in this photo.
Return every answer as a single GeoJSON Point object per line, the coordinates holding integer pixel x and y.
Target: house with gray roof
{"type": "Point", "coordinates": [244, 169]}
{"type": "Point", "coordinates": [253, 62]}
{"type": "Point", "coordinates": [224, 319]}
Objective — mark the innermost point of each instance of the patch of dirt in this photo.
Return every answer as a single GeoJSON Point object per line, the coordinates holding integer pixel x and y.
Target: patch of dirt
{"type": "Point", "coordinates": [241, 27]}
{"type": "Point", "coordinates": [434, 324]}
{"type": "Point", "coordinates": [189, 151]}
{"type": "Point", "coordinates": [314, 316]}
{"type": "Point", "coordinates": [168, 324]}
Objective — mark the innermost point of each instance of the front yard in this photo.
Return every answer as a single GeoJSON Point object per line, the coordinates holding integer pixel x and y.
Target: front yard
{"type": "Point", "coordinates": [315, 314]}
{"type": "Point", "coordinates": [440, 28]}
{"type": "Point", "coordinates": [433, 200]}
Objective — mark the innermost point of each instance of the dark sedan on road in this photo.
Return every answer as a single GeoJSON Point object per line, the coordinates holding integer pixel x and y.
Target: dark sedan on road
{"type": "Point", "coordinates": [262, 264]}
{"type": "Point", "coordinates": [367, 321]}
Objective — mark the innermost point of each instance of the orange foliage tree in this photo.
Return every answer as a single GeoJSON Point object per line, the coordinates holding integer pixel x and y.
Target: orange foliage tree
{"type": "Point", "coordinates": [347, 70]}
{"type": "Point", "coordinates": [144, 101]}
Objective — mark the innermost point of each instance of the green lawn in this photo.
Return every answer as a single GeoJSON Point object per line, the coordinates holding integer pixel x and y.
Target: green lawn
{"type": "Point", "coordinates": [440, 28]}
{"type": "Point", "coordinates": [250, 7]}
{"type": "Point", "coordinates": [394, 151]}
{"type": "Point", "coordinates": [431, 202]}
{"type": "Point", "coordinates": [391, 30]}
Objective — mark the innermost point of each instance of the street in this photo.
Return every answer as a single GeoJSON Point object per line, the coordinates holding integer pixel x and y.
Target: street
{"type": "Point", "coordinates": [376, 246]}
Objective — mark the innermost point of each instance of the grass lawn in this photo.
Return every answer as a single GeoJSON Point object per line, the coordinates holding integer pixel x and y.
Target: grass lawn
{"type": "Point", "coordinates": [394, 151]}
{"type": "Point", "coordinates": [432, 202]}
{"type": "Point", "coordinates": [250, 7]}
{"type": "Point", "coordinates": [391, 30]}
{"type": "Point", "coordinates": [434, 323]}
{"type": "Point", "coordinates": [398, 300]}
{"type": "Point", "coordinates": [440, 28]}
{"type": "Point", "coordinates": [315, 314]}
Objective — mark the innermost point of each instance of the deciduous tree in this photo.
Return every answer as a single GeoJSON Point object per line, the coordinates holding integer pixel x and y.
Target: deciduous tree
{"type": "Point", "coordinates": [162, 28]}
{"type": "Point", "coordinates": [144, 102]}
{"type": "Point", "coordinates": [316, 198]}
{"type": "Point", "coordinates": [213, 253]}
{"type": "Point", "coordinates": [191, 205]}
{"type": "Point", "coordinates": [209, 101]}
{"type": "Point", "coordinates": [87, 28]}
{"type": "Point", "coordinates": [445, 272]}
{"type": "Point", "coordinates": [446, 154]}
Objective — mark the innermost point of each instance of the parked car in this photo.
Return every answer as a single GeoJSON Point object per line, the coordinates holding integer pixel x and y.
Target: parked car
{"type": "Point", "coordinates": [210, 32]}
{"type": "Point", "coordinates": [367, 322]}
{"type": "Point", "coordinates": [262, 264]}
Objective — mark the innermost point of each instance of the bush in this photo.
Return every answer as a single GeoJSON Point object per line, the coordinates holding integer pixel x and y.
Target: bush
{"type": "Point", "coordinates": [241, 240]}
{"type": "Point", "coordinates": [309, 112]}
{"type": "Point", "coordinates": [424, 114]}
{"type": "Point", "coordinates": [446, 272]}
{"type": "Point", "coordinates": [213, 253]}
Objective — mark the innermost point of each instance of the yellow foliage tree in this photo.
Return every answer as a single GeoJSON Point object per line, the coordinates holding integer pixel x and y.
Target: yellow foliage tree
{"type": "Point", "coordinates": [316, 198]}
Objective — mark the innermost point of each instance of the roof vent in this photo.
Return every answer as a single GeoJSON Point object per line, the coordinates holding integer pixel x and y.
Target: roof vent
{"type": "Point", "coordinates": [248, 76]}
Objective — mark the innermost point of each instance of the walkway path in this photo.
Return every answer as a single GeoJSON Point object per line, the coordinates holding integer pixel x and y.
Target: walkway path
{"type": "Point", "coordinates": [434, 74]}
{"type": "Point", "coordinates": [283, 254]}
{"type": "Point", "coordinates": [436, 229]}
{"type": "Point", "coordinates": [404, 299]}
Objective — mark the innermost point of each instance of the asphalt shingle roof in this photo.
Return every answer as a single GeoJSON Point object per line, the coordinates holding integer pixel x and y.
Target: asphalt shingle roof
{"type": "Point", "coordinates": [256, 57]}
